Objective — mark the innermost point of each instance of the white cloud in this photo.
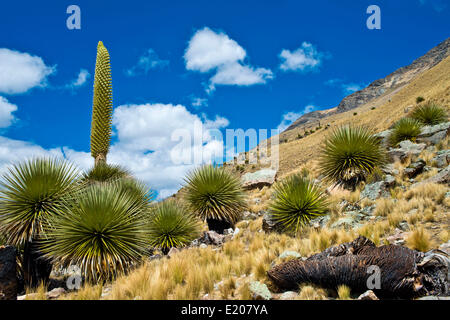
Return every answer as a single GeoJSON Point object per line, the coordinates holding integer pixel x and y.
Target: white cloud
{"type": "Point", "coordinates": [210, 51]}
{"type": "Point", "coordinates": [83, 75]}
{"type": "Point", "coordinates": [302, 59]}
{"type": "Point", "coordinates": [146, 62]}
{"type": "Point", "coordinates": [19, 72]}
{"type": "Point", "coordinates": [347, 88]}
{"type": "Point", "coordinates": [147, 145]}
{"type": "Point", "coordinates": [6, 112]}
{"type": "Point", "coordinates": [289, 117]}
{"type": "Point", "coordinates": [199, 102]}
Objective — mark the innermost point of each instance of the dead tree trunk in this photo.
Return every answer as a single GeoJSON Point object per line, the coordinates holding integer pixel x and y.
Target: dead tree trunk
{"type": "Point", "coordinates": [403, 273]}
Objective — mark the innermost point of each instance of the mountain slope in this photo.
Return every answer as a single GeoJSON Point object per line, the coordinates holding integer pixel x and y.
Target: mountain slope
{"type": "Point", "coordinates": [391, 83]}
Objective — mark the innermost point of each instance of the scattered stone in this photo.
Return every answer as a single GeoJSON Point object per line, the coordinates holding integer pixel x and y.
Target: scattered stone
{"type": "Point", "coordinates": [8, 276]}
{"type": "Point", "coordinates": [445, 247]}
{"type": "Point", "coordinates": [403, 225]}
{"type": "Point", "coordinates": [390, 170]}
{"type": "Point", "coordinates": [288, 253]}
{"type": "Point", "coordinates": [320, 222]}
{"type": "Point", "coordinates": [368, 295]}
{"type": "Point", "coordinates": [434, 134]}
{"type": "Point", "coordinates": [443, 176]}
{"type": "Point", "coordinates": [228, 231]}
{"type": "Point", "coordinates": [203, 246]}
{"type": "Point", "coordinates": [375, 190]}
{"type": "Point", "coordinates": [55, 293]}
{"type": "Point", "coordinates": [259, 179]}
{"type": "Point", "coordinates": [399, 237]}
{"type": "Point", "coordinates": [247, 215]}
{"type": "Point", "coordinates": [236, 232]}
{"type": "Point", "coordinates": [384, 136]}
{"type": "Point", "coordinates": [259, 291]}
{"type": "Point", "coordinates": [155, 257]}
{"type": "Point", "coordinates": [348, 222]}
{"type": "Point", "coordinates": [389, 180]}
{"type": "Point", "coordinates": [288, 295]}
{"type": "Point", "coordinates": [415, 168]}
{"type": "Point", "coordinates": [406, 149]}
{"type": "Point", "coordinates": [268, 225]}
{"type": "Point", "coordinates": [212, 237]}
{"type": "Point", "coordinates": [442, 158]}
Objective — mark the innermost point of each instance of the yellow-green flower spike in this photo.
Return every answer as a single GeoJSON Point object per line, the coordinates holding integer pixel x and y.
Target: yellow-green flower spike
{"type": "Point", "coordinates": [102, 106]}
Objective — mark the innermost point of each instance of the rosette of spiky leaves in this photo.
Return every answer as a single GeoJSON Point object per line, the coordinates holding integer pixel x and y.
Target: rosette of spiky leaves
{"type": "Point", "coordinates": [104, 172]}
{"type": "Point", "coordinates": [296, 201]}
{"type": "Point", "coordinates": [405, 129]}
{"type": "Point", "coordinates": [172, 226]}
{"type": "Point", "coordinates": [215, 193]}
{"type": "Point", "coordinates": [31, 192]}
{"type": "Point", "coordinates": [350, 154]}
{"type": "Point", "coordinates": [103, 232]}
{"type": "Point", "coordinates": [102, 106]}
{"type": "Point", "coordinates": [429, 114]}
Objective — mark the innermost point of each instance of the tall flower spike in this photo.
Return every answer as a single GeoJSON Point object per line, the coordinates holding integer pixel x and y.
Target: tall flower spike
{"type": "Point", "coordinates": [102, 106]}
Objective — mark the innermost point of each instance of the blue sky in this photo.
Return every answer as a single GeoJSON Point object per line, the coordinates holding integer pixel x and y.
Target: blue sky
{"type": "Point", "coordinates": [229, 64]}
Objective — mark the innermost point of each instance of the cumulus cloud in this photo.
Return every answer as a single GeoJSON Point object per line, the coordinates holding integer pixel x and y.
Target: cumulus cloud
{"type": "Point", "coordinates": [83, 76]}
{"type": "Point", "coordinates": [19, 72]}
{"type": "Point", "coordinates": [6, 112]}
{"type": "Point", "coordinates": [199, 102]}
{"type": "Point", "coordinates": [160, 143]}
{"type": "Point", "coordinates": [289, 117]}
{"type": "Point", "coordinates": [302, 59]}
{"type": "Point", "coordinates": [210, 51]}
{"type": "Point", "coordinates": [146, 62]}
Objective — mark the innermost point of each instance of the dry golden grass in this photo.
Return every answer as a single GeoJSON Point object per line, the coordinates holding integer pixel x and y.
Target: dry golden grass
{"type": "Point", "coordinates": [384, 207]}
{"type": "Point", "coordinates": [312, 293]}
{"type": "Point", "coordinates": [343, 292]}
{"type": "Point", "coordinates": [419, 239]}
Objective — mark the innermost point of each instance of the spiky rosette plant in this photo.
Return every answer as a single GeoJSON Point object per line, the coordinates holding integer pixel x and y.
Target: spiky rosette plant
{"type": "Point", "coordinates": [296, 201]}
{"type": "Point", "coordinates": [103, 232]}
{"type": "Point", "coordinates": [429, 114]}
{"type": "Point", "coordinates": [102, 106]}
{"type": "Point", "coordinates": [405, 129]}
{"type": "Point", "coordinates": [103, 172]}
{"type": "Point", "coordinates": [30, 193]}
{"type": "Point", "coordinates": [349, 155]}
{"type": "Point", "coordinates": [215, 195]}
{"type": "Point", "coordinates": [172, 226]}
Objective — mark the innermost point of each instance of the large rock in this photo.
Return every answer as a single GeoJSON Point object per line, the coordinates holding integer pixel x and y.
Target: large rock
{"type": "Point", "coordinates": [8, 275]}
{"type": "Point", "coordinates": [375, 190]}
{"type": "Point", "coordinates": [442, 177]}
{"type": "Point", "coordinates": [434, 134]}
{"type": "Point", "coordinates": [368, 295]}
{"type": "Point", "coordinates": [442, 159]}
{"type": "Point", "coordinates": [406, 149]}
{"type": "Point", "coordinates": [259, 179]}
{"type": "Point", "coordinates": [384, 136]}
{"type": "Point", "coordinates": [268, 225]}
{"type": "Point", "coordinates": [212, 237]}
{"type": "Point", "coordinates": [259, 291]}
{"type": "Point", "coordinates": [414, 168]}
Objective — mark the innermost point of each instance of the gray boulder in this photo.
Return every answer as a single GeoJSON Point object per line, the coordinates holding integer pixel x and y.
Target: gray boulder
{"type": "Point", "coordinates": [375, 190]}
{"type": "Point", "coordinates": [212, 237]}
{"type": "Point", "coordinates": [442, 158]}
{"type": "Point", "coordinates": [8, 276]}
{"type": "Point", "coordinates": [414, 168]}
{"type": "Point", "coordinates": [259, 291]}
{"type": "Point", "coordinates": [429, 131]}
{"type": "Point", "coordinates": [384, 136]}
{"type": "Point", "coordinates": [259, 179]}
{"type": "Point", "coordinates": [442, 177]}
{"type": "Point", "coordinates": [406, 149]}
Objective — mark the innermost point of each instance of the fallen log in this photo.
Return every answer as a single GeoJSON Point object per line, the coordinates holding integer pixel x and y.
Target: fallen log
{"type": "Point", "coordinates": [403, 273]}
